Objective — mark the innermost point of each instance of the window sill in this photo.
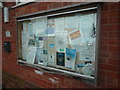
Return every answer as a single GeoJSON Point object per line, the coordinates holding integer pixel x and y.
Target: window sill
{"type": "Point", "coordinates": [56, 70]}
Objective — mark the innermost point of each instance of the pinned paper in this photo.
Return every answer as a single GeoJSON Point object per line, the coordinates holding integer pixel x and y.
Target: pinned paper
{"type": "Point", "coordinates": [52, 45]}
{"type": "Point", "coordinates": [31, 54]}
{"type": "Point", "coordinates": [60, 58]}
{"type": "Point", "coordinates": [75, 35]}
{"type": "Point", "coordinates": [59, 41]}
{"type": "Point", "coordinates": [62, 50]}
{"type": "Point", "coordinates": [52, 59]}
{"type": "Point", "coordinates": [41, 44]}
{"type": "Point", "coordinates": [70, 58]}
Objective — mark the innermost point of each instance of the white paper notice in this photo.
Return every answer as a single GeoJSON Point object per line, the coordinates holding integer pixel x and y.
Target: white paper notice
{"type": "Point", "coordinates": [42, 56]}
{"type": "Point", "coordinates": [41, 26]}
{"type": "Point", "coordinates": [87, 24]}
{"type": "Point", "coordinates": [31, 28]}
{"type": "Point", "coordinates": [61, 41]}
{"type": "Point", "coordinates": [25, 39]}
{"type": "Point", "coordinates": [31, 54]}
{"type": "Point", "coordinates": [51, 27]}
{"type": "Point", "coordinates": [71, 23]}
{"type": "Point", "coordinates": [52, 59]}
{"type": "Point", "coordinates": [41, 44]}
{"type": "Point", "coordinates": [87, 29]}
{"type": "Point", "coordinates": [24, 53]}
{"type": "Point", "coordinates": [87, 52]}
{"type": "Point", "coordinates": [70, 58]}
{"type": "Point", "coordinates": [25, 25]}
{"type": "Point", "coordinates": [59, 24]}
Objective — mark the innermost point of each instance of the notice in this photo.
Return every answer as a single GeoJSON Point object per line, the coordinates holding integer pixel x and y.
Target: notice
{"type": "Point", "coordinates": [51, 27]}
{"type": "Point", "coordinates": [52, 59]}
{"type": "Point", "coordinates": [41, 26]}
{"type": "Point", "coordinates": [75, 35]}
{"type": "Point", "coordinates": [60, 58]}
{"type": "Point", "coordinates": [71, 23]}
{"type": "Point", "coordinates": [70, 58]}
{"type": "Point", "coordinates": [59, 41]}
{"type": "Point", "coordinates": [41, 56]}
{"type": "Point", "coordinates": [31, 54]}
{"type": "Point", "coordinates": [87, 52]}
{"type": "Point", "coordinates": [59, 24]}
{"type": "Point", "coordinates": [24, 53]}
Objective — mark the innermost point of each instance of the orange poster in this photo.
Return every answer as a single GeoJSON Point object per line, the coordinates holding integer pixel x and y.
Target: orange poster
{"type": "Point", "coordinates": [75, 35]}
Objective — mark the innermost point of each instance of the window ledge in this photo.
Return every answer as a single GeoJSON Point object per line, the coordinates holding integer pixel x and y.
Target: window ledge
{"type": "Point", "coordinates": [55, 70]}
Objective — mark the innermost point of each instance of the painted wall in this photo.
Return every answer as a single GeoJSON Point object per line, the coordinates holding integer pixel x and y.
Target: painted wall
{"type": "Point", "coordinates": [108, 56]}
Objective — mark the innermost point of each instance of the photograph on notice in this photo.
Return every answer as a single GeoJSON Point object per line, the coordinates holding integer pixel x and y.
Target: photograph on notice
{"type": "Point", "coordinates": [60, 59]}
{"type": "Point", "coordinates": [31, 42]}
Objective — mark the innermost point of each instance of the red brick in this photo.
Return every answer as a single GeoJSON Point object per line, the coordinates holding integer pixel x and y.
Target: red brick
{"type": "Point", "coordinates": [112, 81]}
{"type": "Point", "coordinates": [112, 27]}
{"type": "Point", "coordinates": [104, 34]}
{"type": "Point", "coordinates": [114, 5]}
{"type": "Point", "coordinates": [113, 48]}
{"type": "Point", "coordinates": [103, 48]}
{"type": "Point", "coordinates": [105, 21]}
{"type": "Point", "coordinates": [110, 86]}
{"type": "Point", "coordinates": [112, 75]}
{"type": "Point", "coordinates": [113, 20]}
{"type": "Point", "coordinates": [102, 73]}
{"type": "Point", "coordinates": [114, 35]}
{"type": "Point", "coordinates": [101, 84]}
{"type": "Point", "coordinates": [104, 41]}
{"type": "Point", "coordinates": [107, 67]}
{"type": "Point", "coordinates": [113, 61]}
{"type": "Point", "coordinates": [104, 54]}
{"type": "Point", "coordinates": [110, 13]}
{"type": "Point", "coordinates": [103, 60]}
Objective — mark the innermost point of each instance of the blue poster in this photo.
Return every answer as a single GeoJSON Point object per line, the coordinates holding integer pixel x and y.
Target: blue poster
{"type": "Point", "coordinates": [70, 54]}
{"type": "Point", "coordinates": [50, 30]}
{"type": "Point", "coordinates": [52, 45]}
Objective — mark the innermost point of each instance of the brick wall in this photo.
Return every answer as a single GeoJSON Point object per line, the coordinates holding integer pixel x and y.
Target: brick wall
{"type": "Point", "coordinates": [11, 81]}
{"type": "Point", "coordinates": [0, 46]}
{"type": "Point", "coordinates": [108, 51]}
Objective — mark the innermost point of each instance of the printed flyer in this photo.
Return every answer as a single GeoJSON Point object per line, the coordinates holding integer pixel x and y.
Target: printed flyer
{"type": "Point", "coordinates": [70, 58]}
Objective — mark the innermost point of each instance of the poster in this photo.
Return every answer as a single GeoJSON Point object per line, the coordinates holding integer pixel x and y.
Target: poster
{"type": "Point", "coordinates": [31, 54]}
{"type": "Point", "coordinates": [71, 23]}
{"type": "Point", "coordinates": [41, 56]}
{"type": "Point", "coordinates": [32, 42]}
{"type": "Point", "coordinates": [52, 59]}
{"type": "Point", "coordinates": [52, 45]}
{"type": "Point", "coordinates": [87, 52]}
{"type": "Point", "coordinates": [41, 26]}
{"type": "Point", "coordinates": [25, 39]}
{"type": "Point", "coordinates": [87, 26]}
{"type": "Point", "coordinates": [60, 42]}
{"type": "Point", "coordinates": [75, 35]}
{"type": "Point", "coordinates": [70, 58]}
{"type": "Point", "coordinates": [60, 59]}
{"type": "Point", "coordinates": [51, 27]}
{"type": "Point", "coordinates": [31, 28]}
{"type": "Point", "coordinates": [59, 24]}
{"type": "Point", "coordinates": [41, 44]}
{"type": "Point", "coordinates": [24, 53]}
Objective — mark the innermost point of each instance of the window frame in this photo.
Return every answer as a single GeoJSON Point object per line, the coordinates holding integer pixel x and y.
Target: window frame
{"type": "Point", "coordinates": [65, 71]}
